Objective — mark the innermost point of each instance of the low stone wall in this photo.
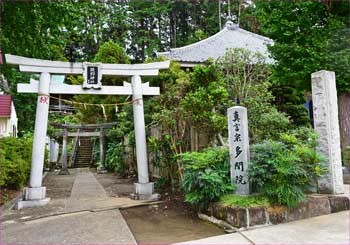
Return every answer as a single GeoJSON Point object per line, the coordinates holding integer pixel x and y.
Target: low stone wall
{"type": "Point", "coordinates": [315, 205]}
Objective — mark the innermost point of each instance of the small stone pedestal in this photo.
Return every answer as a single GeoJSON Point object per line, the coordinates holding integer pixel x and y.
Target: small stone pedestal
{"type": "Point", "coordinates": [32, 197]}
{"type": "Point", "coordinates": [144, 192]}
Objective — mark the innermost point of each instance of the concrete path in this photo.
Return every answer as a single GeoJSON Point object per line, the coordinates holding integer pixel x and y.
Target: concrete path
{"type": "Point", "coordinates": [327, 229]}
{"type": "Point", "coordinates": [82, 227]}
{"type": "Point", "coordinates": [88, 194]}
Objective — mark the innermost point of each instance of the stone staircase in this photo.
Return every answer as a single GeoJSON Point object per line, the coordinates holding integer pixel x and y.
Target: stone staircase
{"type": "Point", "coordinates": [84, 153]}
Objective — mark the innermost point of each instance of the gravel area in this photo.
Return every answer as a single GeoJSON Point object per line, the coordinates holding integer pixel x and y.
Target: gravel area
{"type": "Point", "coordinates": [59, 186]}
{"type": "Point", "coordinates": [167, 223]}
{"type": "Point", "coordinates": [58, 189]}
{"type": "Point", "coordinates": [114, 185]}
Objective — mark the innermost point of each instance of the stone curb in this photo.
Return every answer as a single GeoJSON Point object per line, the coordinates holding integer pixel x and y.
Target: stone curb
{"type": "Point", "coordinates": [315, 205]}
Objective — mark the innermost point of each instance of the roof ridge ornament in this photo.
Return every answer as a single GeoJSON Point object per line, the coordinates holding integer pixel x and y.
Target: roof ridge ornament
{"type": "Point", "coordinates": [231, 22]}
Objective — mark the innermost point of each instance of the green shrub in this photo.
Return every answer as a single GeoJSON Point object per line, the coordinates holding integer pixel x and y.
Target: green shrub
{"type": "Point", "coordinates": [346, 156]}
{"type": "Point", "coordinates": [111, 52]}
{"type": "Point", "coordinates": [15, 159]}
{"type": "Point", "coordinates": [206, 175]}
{"type": "Point", "coordinates": [161, 183]}
{"type": "Point", "coordinates": [115, 158]}
{"type": "Point", "coordinates": [283, 170]}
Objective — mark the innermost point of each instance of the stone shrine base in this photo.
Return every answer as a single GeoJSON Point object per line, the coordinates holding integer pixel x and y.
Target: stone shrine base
{"type": "Point", "coordinates": [315, 205]}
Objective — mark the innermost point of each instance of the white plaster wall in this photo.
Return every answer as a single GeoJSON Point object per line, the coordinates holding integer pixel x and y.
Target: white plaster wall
{"type": "Point", "coordinates": [7, 123]}
{"type": "Point", "coordinates": [3, 127]}
{"type": "Point", "coordinates": [13, 120]}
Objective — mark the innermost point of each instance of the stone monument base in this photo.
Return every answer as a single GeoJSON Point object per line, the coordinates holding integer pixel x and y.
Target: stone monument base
{"type": "Point", "coordinates": [32, 197]}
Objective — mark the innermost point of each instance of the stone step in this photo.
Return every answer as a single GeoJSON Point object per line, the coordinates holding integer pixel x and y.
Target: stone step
{"type": "Point", "coordinates": [84, 152]}
{"type": "Point", "coordinates": [84, 156]}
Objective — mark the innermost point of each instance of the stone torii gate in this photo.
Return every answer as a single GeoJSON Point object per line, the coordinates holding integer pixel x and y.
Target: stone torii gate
{"type": "Point", "coordinates": [35, 194]}
{"type": "Point", "coordinates": [65, 134]}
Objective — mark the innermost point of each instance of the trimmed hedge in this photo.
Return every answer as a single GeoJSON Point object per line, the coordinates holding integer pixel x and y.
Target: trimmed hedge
{"type": "Point", "coordinates": [15, 159]}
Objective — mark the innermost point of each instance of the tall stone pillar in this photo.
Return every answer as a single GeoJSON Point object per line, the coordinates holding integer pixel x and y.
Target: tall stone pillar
{"type": "Point", "coordinates": [52, 150]}
{"type": "Point", "coordinates": [64, 169]}
{"type": "Point", "coordinates": [102, 168]}
{"type": "Point", "coordinates": [325, 109]}
{"type": "Point", "coordinates": [35, 194]}
{"type": "Point", "coordinates": [239, 148]}
{"type": "Point", "coordinates": [143, 189]}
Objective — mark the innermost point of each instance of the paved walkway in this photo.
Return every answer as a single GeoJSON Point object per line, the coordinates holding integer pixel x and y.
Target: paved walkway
{"type": "Point", "coordinates": [326, 229]}
{"type": "Point", "coordinates": [86, 215]}
{"type": "Point", "coordinates": [106, 226]}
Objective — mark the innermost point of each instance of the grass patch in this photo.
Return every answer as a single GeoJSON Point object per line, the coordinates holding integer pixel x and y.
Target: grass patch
{"type": "Point", "coordinates": [244, 201]}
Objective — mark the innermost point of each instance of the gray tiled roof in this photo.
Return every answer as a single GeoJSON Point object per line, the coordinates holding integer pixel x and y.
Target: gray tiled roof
{"type": "Point", "coordinates": [216, 46]}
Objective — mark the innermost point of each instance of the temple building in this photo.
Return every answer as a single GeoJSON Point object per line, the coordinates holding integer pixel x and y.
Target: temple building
{"type": "Point", "coordinates": [230, 37]}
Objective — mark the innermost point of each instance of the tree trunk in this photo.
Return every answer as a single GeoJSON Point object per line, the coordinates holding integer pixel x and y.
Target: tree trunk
{"type": "Point", "coordinates": [344, 125]}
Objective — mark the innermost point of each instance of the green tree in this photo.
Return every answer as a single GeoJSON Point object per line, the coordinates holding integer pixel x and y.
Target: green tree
{"type": "Point", "coordinates": [109, 52]}
{"type": "Point", "coordinates": [28, 29]}
{"type": "Point", "coordinates": [309, 36]}
{"type": "Point", "coordinates": [247, 77]}
{"type": "Point", "coordinates": [88, 24]}
{"type": "Point", "coordinates": [189, 101]}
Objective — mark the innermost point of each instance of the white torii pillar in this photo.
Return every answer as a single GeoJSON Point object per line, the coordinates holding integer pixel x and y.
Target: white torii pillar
{"type": "Point", "coordinates": [36, 194]}
{"type": "Point", "coordinates": [143, 188]}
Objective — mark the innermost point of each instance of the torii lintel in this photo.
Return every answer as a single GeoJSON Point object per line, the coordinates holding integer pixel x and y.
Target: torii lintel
{"type": "Point", "coordinates": [59, 67]}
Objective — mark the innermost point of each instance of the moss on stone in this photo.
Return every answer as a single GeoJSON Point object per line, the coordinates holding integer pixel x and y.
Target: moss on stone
{"type": "Point", "coordinates": [244, 201]}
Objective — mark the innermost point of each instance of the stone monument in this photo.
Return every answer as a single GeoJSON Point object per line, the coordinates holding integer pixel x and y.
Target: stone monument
{"type": "Point", "coordinates": [325, 109]}
{"type": "Point", "coordinates": [239, 148]}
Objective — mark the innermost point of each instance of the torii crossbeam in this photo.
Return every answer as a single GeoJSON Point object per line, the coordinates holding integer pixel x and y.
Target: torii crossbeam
{"type": "Point", "coordinates": [35, 194]}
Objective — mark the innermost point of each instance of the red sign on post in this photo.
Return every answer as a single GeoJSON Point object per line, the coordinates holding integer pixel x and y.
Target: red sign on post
{"type": "Point", "coordinates": [44, 100]}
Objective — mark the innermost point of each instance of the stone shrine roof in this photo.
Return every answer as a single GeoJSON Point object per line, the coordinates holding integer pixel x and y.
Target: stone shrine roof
{"type": "Point", "coordinates": [216, 46]}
